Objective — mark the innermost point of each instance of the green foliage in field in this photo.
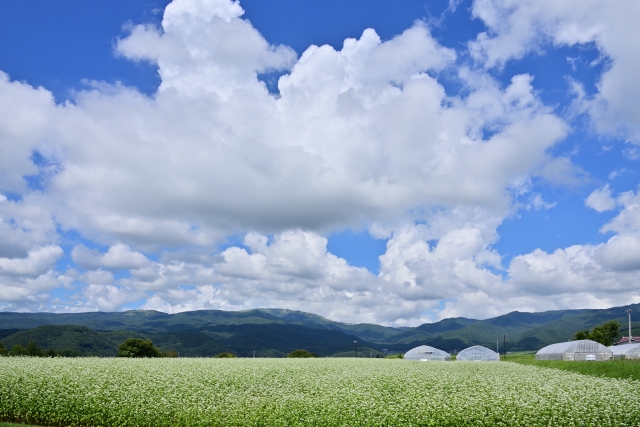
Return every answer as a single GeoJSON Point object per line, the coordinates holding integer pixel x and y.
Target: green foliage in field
{"type": "Point", "coordinates": [136, 347]}
{"type": "Point", "coordinates": [225, 355]}
{"type": "Point", "coordinates": [17, 350]}
{"type": "Point", "coordinates": [15, 425]}
{"type": "Point", "coordinates": [301, 354]}
{"type": "Point", "coordinates": [30, 350]}
{"type": "Point", "coordinates": [307, 392]}
{"type": "Point", "coordinates": [3, 350]}
{"type": "Point", "coordinates": [395, 356]}
{"type": "Point", "coordinates": [605, 334]}
{"type": "Point", "coordinates": [624, 369]}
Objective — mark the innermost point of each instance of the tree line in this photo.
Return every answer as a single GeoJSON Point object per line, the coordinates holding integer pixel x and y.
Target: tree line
{"type": "Point", "coordinates": [31, 349]}
{"type": "Point", "coordinates": [132, 347]}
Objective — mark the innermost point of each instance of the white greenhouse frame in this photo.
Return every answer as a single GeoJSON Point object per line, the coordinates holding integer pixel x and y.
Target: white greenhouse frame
{"type": "Point", "coordinates": [581, 350]}
{"type": "Point", "coordinates": [427, 353]}
{"type": "Point", "coordinates": [477, 353]}
{"type": "Point", "coordinates": [628, 351]}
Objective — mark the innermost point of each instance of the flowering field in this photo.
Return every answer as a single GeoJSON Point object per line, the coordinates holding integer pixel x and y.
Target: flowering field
{"type": "Point", "coordinates": [307, 392]}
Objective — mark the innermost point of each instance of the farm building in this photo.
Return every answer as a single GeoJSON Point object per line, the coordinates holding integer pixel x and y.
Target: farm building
{"type": "Point", "coordinates": [580, 350]}
{"type": "Point", "coordinates": [629, 351]}
{"type": "Point", "coordinates": [479, 354]}
{"type": "Point", "coordinates": [424, 352]}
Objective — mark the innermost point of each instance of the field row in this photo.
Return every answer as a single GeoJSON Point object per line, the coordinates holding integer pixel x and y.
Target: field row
{"type": "Point", "coordinates": [307, 392]}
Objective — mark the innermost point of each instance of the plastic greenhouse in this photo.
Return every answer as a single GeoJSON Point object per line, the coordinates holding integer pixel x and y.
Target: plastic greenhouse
{"type": "Point", "coordinates": [479, 354]}
{"type": "Point", "coordinates": [575, 350]}
{"type": "Point", "coordinates": [424, 352]}
{"type": "Point", "coordinates": [629, 351]}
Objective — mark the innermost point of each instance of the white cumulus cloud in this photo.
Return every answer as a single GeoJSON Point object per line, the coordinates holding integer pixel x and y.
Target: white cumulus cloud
{"type": "Point", "coordinates": [517, 27]}
{"type": "Point", "coordinates": [118, 256]}
{"type": "Point", "coordinates": [601, 200]}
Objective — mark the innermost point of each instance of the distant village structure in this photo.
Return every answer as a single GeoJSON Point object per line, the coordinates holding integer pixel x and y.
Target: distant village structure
{"type": "Point", "coordinates": [625, 340]}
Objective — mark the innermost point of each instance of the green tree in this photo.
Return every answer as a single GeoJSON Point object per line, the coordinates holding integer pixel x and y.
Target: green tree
{"type": "Point", "coordinates": [605, 334]}
{"type": "Point", "coordinates": [301, 353]}
{"type": "Point", "coordinates": [225, 355]}
{"type": "Point", "coordinates": [582, 335]}
{"type": "Point", "coordinates": [17, 350]}
{"type": "Point", "coordinates": [51, 352]}
{"type": "Point", "coordinates": [137, 347]}
{"type": "Point", "coordinates": [3, 350]}
{"type": "Point", "coordinates": [33, 350]}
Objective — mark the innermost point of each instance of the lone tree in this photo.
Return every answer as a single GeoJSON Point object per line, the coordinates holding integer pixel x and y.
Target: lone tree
{"type": "Point", "coordinates": [605, 334]}
{"type": "Point", "coordinates": [301, 353]}
{"type": "Point", "coordinates": [137, 347]}
{"type": "Point", "coordinates": [225, 355]}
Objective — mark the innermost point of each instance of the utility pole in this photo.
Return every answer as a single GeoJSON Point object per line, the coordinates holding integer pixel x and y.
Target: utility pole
{"type": "Point", "coordinates": [504, 346]}
{"type": "Point", "coordinates": [497, 347]}
{"type": "Point", "coordinates": [356, 341]}
{"type": "Point", "coordinates": [628, 311]}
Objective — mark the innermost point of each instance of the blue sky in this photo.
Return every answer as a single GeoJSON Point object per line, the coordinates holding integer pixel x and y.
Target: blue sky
{"type": "Point", "coordinates": [369, 161]}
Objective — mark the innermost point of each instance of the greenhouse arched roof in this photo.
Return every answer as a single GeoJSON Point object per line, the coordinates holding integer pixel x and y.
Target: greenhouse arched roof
{"type": "Point", "coordinates": [629, 351]}
{"type": "Point", "coordinates": [574, 350]}
{"type": "Point", "coordinates": [478, 353]}
{"type": "Point", "coordinates": [425, 352]}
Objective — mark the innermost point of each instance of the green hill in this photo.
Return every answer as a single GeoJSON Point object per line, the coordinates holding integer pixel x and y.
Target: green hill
{"type": "Point", "coordinates": [267, 340]}
{"type": "Point", "coordinates": [105, 343]}
{"type": "Point", "coordinates": [277, 332]}
{"type": "Point", "coordinates": [71, 337]}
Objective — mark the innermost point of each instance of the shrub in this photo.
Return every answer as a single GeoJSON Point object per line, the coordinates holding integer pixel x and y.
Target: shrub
{"type": "Point", "coordinates": [395, 356]}
{"type": "Point", "coordinates": [137, 347]}
{"type": "Point", "coordinates": [225, 355]}
{"type": "Point", "coordinates": [301, 353]}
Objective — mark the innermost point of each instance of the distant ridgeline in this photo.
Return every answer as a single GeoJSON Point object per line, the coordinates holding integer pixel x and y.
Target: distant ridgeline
{"type": "Point", "coordinates": [276, 332]}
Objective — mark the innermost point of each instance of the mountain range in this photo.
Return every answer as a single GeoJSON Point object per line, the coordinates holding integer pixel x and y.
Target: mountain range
{"type": "Point", "coordinates": [276, 332]}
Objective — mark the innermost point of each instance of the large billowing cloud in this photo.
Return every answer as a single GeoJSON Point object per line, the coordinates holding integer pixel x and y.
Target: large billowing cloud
{"type": "Point", "coordinates": [365, 134]}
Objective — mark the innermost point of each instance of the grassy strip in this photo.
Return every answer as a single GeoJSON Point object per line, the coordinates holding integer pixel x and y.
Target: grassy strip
{"type": "Point", "coordinates": [15, 425]}
{"type": "Point", "coordinates": [623, 369]}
